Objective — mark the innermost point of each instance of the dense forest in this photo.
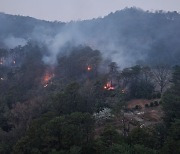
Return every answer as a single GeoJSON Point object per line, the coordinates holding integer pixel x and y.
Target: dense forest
{"type": "Point", "coordinates": [104, 86]}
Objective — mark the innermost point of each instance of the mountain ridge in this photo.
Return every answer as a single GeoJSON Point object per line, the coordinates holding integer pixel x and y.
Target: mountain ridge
{"type": "Point", "coordinates": [128, 36]}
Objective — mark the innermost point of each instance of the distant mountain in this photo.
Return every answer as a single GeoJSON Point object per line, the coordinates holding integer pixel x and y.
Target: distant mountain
{"type": "Point", "coordinates": [21, 26]}
{"type": "Point", "coordinates": [130, 36]}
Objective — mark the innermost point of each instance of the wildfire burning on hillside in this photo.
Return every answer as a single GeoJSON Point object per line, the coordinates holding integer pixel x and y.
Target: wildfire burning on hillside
{"type": "Point", "coordinates": [47, 78]}
{"type": "Point", "coordinates": [109, 86]}
{"type": "Point", "coordinates": [89, 68]}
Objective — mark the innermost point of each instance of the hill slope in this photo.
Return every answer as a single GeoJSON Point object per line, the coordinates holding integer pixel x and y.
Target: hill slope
{"type": "Point", "coordinates": [128, 36]}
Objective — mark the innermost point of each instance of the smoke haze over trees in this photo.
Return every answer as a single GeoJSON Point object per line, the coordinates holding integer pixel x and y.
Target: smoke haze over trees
{"type": "Point", "coordinates": [100, 86]}
{"type": "Point", "coordinates": [128, 37]}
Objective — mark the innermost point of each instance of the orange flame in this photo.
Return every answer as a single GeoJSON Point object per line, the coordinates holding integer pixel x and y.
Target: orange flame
{"type": "Point", "coordinates": [89, 68]}
{"type": "Point", "coordinates": [46, 78]}
{"type": "Point", "coordinates": [109, 86]}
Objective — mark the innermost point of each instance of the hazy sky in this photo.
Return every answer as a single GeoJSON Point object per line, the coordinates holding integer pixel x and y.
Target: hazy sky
{"type": "Point", "coordinates": [66, 10]}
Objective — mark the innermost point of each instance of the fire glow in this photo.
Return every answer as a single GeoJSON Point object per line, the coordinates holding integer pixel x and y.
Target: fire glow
{"type": "Point", "coordinates": [89, 68]}
{"type": "Point", "coordinates": [109, 86]}
{"type": "Point", "coordinates": [47, 78]}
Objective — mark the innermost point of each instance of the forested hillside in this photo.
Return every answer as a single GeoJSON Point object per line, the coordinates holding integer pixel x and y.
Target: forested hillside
{"type": "Point", "coordinates": [104, 86]}
{"type": "Point", "coordinates": [130, 36]}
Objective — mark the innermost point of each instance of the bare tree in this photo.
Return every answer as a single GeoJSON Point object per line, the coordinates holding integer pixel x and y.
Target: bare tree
{"type": "Point", "coordinates": [146, 74]}
{"type": "Point", "coordinates": [162, 74]}
{"type": "Point", "coordinates": [113, 72]}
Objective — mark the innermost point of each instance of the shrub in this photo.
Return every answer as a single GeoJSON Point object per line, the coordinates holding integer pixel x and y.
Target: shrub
{"type": "Point", "coordinates": [151, 104]}
{"type": "Point", "coordinates": [160, 102]}
{"type": "Point", "coordinates": [154, 95]}
{"type": "Point", "coordinates": [156, 103]}
{"type": "Point", "coordinates": [158, 95]}
{"type": "Point", "coordinates": [146, 105]}
{"type": "Point", "coordinates": [138, 107]}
